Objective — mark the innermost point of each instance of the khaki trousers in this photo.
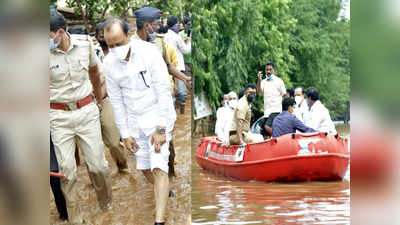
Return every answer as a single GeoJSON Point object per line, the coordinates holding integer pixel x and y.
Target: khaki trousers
{"type": "Point", "coordinates": [81, 125]}
{"type": "Point", "coordinates": [248, 137]}
{"type": "Point", "coordinates": [111, 135]}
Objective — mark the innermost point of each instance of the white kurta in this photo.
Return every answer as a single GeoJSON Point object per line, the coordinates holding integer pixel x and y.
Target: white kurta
{"type": "Point", "coordinates": [139, 90]}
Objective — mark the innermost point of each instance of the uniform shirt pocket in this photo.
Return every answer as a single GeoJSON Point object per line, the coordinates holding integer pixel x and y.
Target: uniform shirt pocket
{"type": "Point", "coordinates": [58, 75]}
{"type": "Point", "coordinates": [80, 69]}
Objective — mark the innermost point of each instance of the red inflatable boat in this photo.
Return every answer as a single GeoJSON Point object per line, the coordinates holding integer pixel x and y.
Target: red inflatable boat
{"type": "Point", "coordinates": [291, 157]}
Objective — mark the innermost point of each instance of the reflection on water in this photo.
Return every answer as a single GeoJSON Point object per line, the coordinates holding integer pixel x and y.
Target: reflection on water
{"type": "Point", "coordinates": [133, 197]}
{"type": "Point", "coordinates": [218, 200]}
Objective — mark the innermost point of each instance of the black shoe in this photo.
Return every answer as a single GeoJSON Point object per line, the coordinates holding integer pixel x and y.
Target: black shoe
{"type": "Point", "coordinates": [163, 223]}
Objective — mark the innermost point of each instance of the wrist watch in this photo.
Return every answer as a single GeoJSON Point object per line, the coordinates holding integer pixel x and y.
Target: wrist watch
{"type": "Point", "coordinates": [161, 130]}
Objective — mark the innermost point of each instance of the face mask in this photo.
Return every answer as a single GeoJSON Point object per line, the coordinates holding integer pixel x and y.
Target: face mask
{"type": "Point", "coordinates": [151, 36]}
{"type": "Point", "coordinates": [233, 103]}
{"type": "Point", "coordinates": [251, 98]}
{"type": "Point", "coordinates": [269, 76]}
{"type": "Point", "coordinates": [103, 43]}
{"type": "Point", "coordinates": [175, 28]}
{"type": "Point", "coordinates": [306, 100]}
{"type": "Point", "coordinates": [298, 99]}
{"type": "Point", "coordinates": [54, 45]}
{"type": "Point", "coordinates": [120, 52]}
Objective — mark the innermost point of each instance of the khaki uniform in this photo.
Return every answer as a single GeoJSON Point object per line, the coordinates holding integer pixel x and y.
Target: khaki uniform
{"type": "Point", "coordinates": [109, 129]}
{"type": "Point", "coordinates": [69, 83]}
{"type": "Point", "coordinates": [243, 112]}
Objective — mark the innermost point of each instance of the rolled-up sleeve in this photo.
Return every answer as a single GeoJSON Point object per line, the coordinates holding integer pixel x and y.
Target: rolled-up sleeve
{"type": "Point", "coordinates": [162, 87]}
{"type": "Point", "coordinates": [114, 92]}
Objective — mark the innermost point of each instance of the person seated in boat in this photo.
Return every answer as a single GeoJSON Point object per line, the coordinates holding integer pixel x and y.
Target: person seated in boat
{"type": "Point", "coordinates": [240, 129]}
{"type": "Point", "coordinates": [226, 119]}
{"type": "Point", "coordinates": [317, 116]}
{"type": "Point", "coordinates": [301, 103]}
{"type": "Point", "coordinates": [286, 122]}
{"type": "Point", "coordinates": [219, 124]}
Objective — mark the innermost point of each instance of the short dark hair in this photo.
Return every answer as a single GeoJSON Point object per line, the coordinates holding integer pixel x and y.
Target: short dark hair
{"type": "Point", "coordinates": [110, 21]}
{"type": "Point", "coordinates": [57, 21]}
{"type": "Point", "coordinates": [312, 92]}
{"type": "Point", "coordinates": [269, 63]}
{"type": "Point", "coordinates": [290, 91]}
{"type": "Point", "coordinates": [241, 93]}
{"type": "Point", "coordinates": [287, 102]}
{"type": "Point", "coordinates": [186, 20]}
{"type": "Point", "coordinates": [171, 21]}
{"type": "Point", "coordinates": [163, 29]}
{"type": "Point", "coordinates": [77, 30]}
{"type": "Point", "coordinates": [99, 27]}
{"type": "Point", "coordinates": [248, 86]}
{"type": "Point", "coordinates": [140, 22]}
{"type": "Point", "coordinates": [301, 87]}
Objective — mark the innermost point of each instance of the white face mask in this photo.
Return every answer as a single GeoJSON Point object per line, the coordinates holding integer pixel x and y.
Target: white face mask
{"type": "Point", "coordinates": [298, 99]}
{"type": "Point", "coordinates": [120, 52]}
{"type": "Point", "coordinates": [233, 103]}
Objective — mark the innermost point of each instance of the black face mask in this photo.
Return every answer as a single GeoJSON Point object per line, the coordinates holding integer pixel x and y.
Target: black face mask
{"type": "Point", "coordinates": [251, 98]}
{"type": "Point", "coordinates": [103, 43]}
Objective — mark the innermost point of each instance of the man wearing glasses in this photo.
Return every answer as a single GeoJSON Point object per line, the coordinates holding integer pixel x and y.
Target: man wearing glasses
{"type": "Point", "coordinates": [139, 90]}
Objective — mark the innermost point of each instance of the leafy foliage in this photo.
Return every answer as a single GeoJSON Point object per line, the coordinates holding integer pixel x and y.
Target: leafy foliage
{"type": "Point", "coordinates": [95, 10]}
{"type": "Point", "coordinates": [304, 38]}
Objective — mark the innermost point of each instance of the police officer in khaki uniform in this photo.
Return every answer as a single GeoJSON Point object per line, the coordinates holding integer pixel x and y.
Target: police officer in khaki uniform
{"type": "Point", "coordinates": [240, 129]}
{"type": "Point", "coordinates": [74, 115]}
{"type": "Point", "coordinates": [147, 23]}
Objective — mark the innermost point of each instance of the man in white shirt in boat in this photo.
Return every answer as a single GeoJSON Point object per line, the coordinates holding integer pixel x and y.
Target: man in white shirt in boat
{"type": "Point", "coordinates": [220, 114]}
{"type": "Point", "coordinates": [240, 129]}
{"type": "Point", "coordinates": [224, 119]}
{"type": "Point", "coordinates": [301, 103]}
{"type": "Point", "coordinates": [139, 90]}
{"type": "Point", "coordinates": [317, 116]}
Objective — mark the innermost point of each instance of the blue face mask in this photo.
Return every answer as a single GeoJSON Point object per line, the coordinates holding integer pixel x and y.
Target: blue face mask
{"type": "Point", "coordinates": [269, 76]}
{"type": "Point", "coordinates": [175, 28]}
{"type": "Point", "coordinates": [54, 45]}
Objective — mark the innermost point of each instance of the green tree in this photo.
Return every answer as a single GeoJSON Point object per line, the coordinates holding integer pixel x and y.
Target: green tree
{"type": "Point", "coordinates": [309, 44]}
{"type": "Point", "coordinates": [320, 45]}
{"type": "Point", "coordinates": [94, 11]}
{"type": "Point", "coordinates": [233, 40]}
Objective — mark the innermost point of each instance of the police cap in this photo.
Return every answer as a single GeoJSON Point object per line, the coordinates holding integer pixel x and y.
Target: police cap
{"type": "Point", "coordinates": [148, 12]}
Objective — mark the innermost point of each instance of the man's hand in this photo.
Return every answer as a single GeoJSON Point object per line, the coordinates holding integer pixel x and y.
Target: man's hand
{"type": "Point", "coordinates": [100, 105]}
{"type": "Point", "coordinates": [259, 75]}
{"type": "Point", "coordinates": [130, 144]}
{"type": "Point", "coordinates": [157, 140]}
{"type": "Point", "coordinates": [188, 82]}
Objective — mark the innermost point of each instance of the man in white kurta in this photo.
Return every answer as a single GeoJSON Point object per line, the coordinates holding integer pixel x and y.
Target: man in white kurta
{"type": "Point", "coordinates": [139, 90]}
{"type": "Point", "coordinates": [318, 116]}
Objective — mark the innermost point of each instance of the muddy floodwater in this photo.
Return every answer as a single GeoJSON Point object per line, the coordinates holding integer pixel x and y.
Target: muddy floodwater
{"type": "Point", "coordinates": [218, 200]}
{"type": "Point", "coordinates": [133, 197]}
